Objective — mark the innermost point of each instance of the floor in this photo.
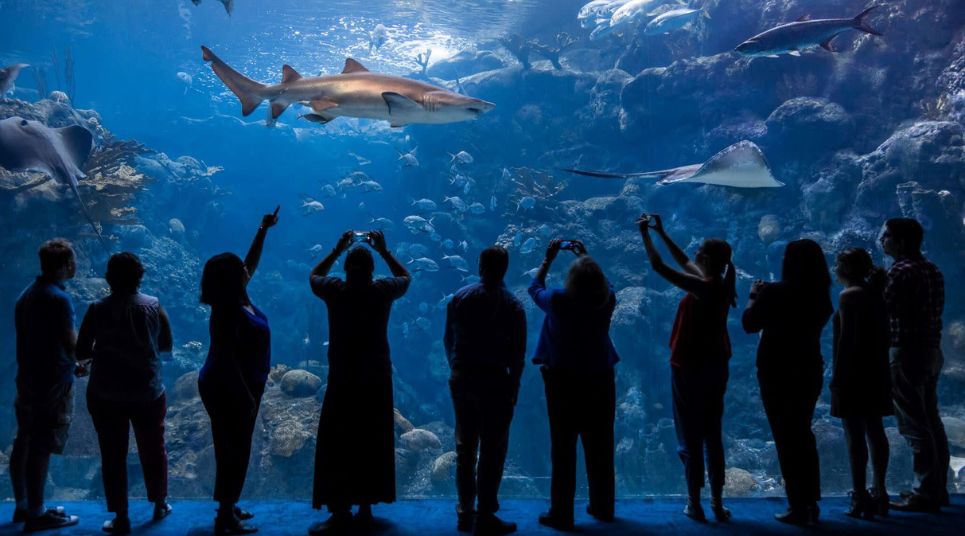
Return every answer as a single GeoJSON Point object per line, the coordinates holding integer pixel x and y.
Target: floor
{"type": "Point", "coordinates": [433, 517]}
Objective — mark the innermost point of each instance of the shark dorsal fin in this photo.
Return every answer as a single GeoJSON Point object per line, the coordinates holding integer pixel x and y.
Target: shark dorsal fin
{"type": "Point", "coordinates": [803, 18]}
{"type": "Point", "coordinates": [78, 141]}
{"type": "Point", "coordinates": [288, 74]}
{"type": "Point", "coordinates": [352, 66]}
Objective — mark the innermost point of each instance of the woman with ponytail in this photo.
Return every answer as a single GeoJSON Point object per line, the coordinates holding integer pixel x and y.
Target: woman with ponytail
{"type": "Point", "coordinates": [699, 352]}
{"type": "Point", "coordinates": [861, 377]}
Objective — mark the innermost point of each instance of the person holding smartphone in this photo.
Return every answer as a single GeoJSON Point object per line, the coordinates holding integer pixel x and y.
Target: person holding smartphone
{"type": "Point", "coordinates": [355, 450]}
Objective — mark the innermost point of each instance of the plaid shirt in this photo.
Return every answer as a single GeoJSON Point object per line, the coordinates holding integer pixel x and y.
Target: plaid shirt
{"type": "Point", "coordinates": [915, 297]}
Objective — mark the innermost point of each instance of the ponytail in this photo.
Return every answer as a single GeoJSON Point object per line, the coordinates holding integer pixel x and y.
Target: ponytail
{"type": "Point", "coordinates": [730, 284]}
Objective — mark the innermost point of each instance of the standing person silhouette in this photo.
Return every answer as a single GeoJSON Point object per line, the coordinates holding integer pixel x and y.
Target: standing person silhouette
{"type": "Point", "coordinates": [355, 451]}
{"type": "Point", "coordinates": [577, 358]}
{"type": "Point", "coordinates": [860, 377]}
{"type": "Point", "coordinates": [915, 298]}
{"type": "Point", "coordinates": [699, 352]}
{"type": "Point", "coordinates": [234, 374]}
{"type": "Point", "coordinates": [44, 318]}
{"type": "Point", "coordinates": [791, 314]}
{"type": "Point", "coordinates": [485, 343]}
{"type": "Point", "coordinates": [122, 336]}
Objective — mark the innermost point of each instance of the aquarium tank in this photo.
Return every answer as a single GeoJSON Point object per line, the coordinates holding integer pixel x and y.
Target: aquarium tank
{"type": "Point", "coordinates": [844, 135]}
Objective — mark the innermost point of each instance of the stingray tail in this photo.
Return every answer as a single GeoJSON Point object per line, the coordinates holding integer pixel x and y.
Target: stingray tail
{"type": "Point", "coordinates": [90, 219]}
{"type": "Point", "coordinates": [658, 175]}
{"type": "Point", "coordinates": [249, 92]}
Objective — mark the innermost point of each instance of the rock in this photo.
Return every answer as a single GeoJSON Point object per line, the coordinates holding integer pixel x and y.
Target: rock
{"type": "Point", "coordinates": [464, 64]}
{"type": "Point", "coordinates": [402, 425]}
{"type": "Point", "coordinates": [277, 372]}
{"type": "Point", "coordinates": [808, 126]}
{"type": "Point", "coordinates": [418, 440]}
{"type": "Point", "coordinates": [955, 430]}
{"type": "Point", "coordinates": [738, 482]}
{"type": "Point", "coordinates": [443, 467]}
{"type": "Point", "coordinates": [185, 388]}
{"type": "Point", "coordinates": [300, 383]}
{"type": "Point", "coordinates": [59, 97]}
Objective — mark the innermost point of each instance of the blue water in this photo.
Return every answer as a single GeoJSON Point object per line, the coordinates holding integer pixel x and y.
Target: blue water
{"type": "Point", "coordinates": [622, 103]}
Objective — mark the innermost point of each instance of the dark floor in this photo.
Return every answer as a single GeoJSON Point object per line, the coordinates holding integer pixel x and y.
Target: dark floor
{"type": "Point", "coordinates": [436, 517]}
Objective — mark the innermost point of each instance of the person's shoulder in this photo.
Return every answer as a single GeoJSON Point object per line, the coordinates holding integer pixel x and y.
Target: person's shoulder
{"type": "Point", "coordinates": [853, 294]}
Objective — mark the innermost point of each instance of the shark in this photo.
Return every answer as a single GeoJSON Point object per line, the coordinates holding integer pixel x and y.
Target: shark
{"type": "Point", "coordinates": [355, 92]}
{"type": "Point", "coordinates": [27, 145]}
{"type": "Point", "coordinates": [802, 34]}
{"type": "Point", "coordinates": [7, 76]}
{"type": "Point", "coordinates": [741, 165]}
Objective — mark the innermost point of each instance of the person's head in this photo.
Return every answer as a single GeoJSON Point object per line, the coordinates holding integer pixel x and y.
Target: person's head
{"type": "Point", "coordinates": [124, 273]}
{"type": "Point", "coordinates": [714, 259]}
{"type": "Point", "coordinates": [493, 263]}
{"type": "Point", "coordinates": [57, 259]}
{"type": "Point", "coordinates": [852, 266]}
{"type": "Point", "coordinates": [805, 266]}
{"type": "Point", "coordinates": [359, 265]}
{"type": "Point", "coordinates": [586, 282]}
{"type": "Point", "coordinates": [224, 281]}
{"type": "Point", "coordinates": [901, 237]}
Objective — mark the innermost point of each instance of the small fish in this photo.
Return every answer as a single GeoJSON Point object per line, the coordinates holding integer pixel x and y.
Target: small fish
{"type": "Point", "coordinates": [423, 264]}
{"type": "Point", "coordinates": [447, 244]}
{"type": "Point", "coordinates": [362, 207]}
{"type": "Point", "coordinates": [672, 20]}
{"type": "Point", "coordinates": [458, 180]}
{"type": "Point", "coordinates": [370, 186]}
{"type": "Point", "coordinates": [329, 191]}
{"type": "Point", "coordinates": [381, 223]}
{"type": "Point", "coordinates": [477, 208]}
{"type": "Point", "coordinates": [470, 279]}
{"type": "Point", "coordinates": [425, 205]}
{"type": "Point", "coordinates": [457, 262]}
{"type": "Point", "coordinates": [441, 218]}
{"type": "Point", "coordinates": [506, 174]}
{"type": "Point", "coordinates": [8, 75]}
{"type": "Point", "coordinates": [311, 206]}
{"type": "Point", "coordinates": [175, 227]}
{"type": "Point", "coordinates": [462, 157]}
{"type": "Point", "coordinates": [316, 250]}
{"type": "Point", "coordinates": [544, 231]}
{"type": "Point", "coordinates": [464, 246]}
{"type": "Point", "coordinates": [528, 246]}
{"type": "Point", "coordinates": [378, 37]}
{"type": "Point", "coordinates": [423, 323]}
{"type": "Point", "coordinates": [526, 203]}
{"type": "Point", "coordinates": [457, 203]}
{"type": "Point", "coordinates": [531, 273]}
{"type": "Point", "coordinates": [446, 298]}
{"type": "Point", "coordinates": [185, 77]}
{"type": "Point", "coordinates": [417, 224]}
{"type": "Point", "coordinates": [345, 184]}
{"type": "Point", "coordinates": [362, 161]}
{"type": "Point", "coordinates": [417, 250]}
{"type": "Point", "coordinates": [409, 159]}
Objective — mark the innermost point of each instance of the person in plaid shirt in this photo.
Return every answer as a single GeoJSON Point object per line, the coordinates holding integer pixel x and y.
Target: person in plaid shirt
{"type": "Point", "coordinates": [915, 297]}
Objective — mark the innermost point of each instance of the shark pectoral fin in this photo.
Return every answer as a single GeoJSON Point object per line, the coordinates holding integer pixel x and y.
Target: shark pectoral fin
{"type": "Point", "coordinates": [352, 66]}
{"type": "Point", "coordinates": [78, 141]}
{"type": "Point", "coordinates": [399, 103]}
{"type": "Point", "coordinates": [315, 118]}
{"type": "Point", "coordinates": [795, 53]}
{"type": "Point", "coordinates": [288, 74]}
{"type": "Point", "coordinates": [277, 108]}
{"type": "Point", "coordinates": [826, 45]}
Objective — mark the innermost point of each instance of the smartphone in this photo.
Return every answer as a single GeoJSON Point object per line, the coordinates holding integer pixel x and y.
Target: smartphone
{"type": "Point", "coordinates": [568, 244]}
{"type": "Point", "coordinates": [360, 236]}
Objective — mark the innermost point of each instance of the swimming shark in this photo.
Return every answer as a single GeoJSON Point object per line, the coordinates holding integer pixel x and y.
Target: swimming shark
{"type": "Point", "coordinates": [228, 4]}
{"type": "Point", "coordinates": [8, 74]}
{"type": "Point", "coordinates": [27, 145]}
{"type": "Point", "coordinates": [355, 92]}
{"type": "Point", "coordinates": [802, 34]}
{"type": "Point", "coordinates": [741, 165]}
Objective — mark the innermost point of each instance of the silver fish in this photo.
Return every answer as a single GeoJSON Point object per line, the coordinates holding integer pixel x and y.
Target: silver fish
{"type": "Point", "coordinates": [803, 34]}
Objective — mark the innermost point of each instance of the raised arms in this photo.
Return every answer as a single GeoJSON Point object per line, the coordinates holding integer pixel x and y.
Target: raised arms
{"type": "Point", "coordinates": [254, 252]}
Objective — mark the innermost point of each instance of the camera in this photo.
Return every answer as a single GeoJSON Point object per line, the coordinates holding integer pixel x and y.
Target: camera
{"type": "Point", "coordinates": [568, 244]}
{"type": "Point", "coordinates": [360, 236]}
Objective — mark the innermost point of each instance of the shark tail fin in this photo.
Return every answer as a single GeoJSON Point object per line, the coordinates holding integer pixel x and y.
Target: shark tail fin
{"type": "Point", "coordinates": [249, 92]}
{"type": "Point", "coordinates": [860, 24]}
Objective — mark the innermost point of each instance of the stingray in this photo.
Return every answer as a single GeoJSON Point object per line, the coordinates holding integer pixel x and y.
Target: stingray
{"type": "Point", "coordinates": [741, 165]}
{"type": "Point", "coordinates": [7, 75]}
{"type": "Point", "coordinates": [57, 152]}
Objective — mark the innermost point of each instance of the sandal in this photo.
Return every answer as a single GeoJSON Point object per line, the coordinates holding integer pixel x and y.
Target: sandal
{"type": "Point", "coordinates": [50, 520]}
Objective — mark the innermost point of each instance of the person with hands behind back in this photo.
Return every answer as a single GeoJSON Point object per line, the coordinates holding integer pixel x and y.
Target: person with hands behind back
{"type": "Point", "coordinates": [355, 451]}
{"type": "Point", "coordinates": [699, 352]}
{"type": "Point", "coordinates": [577, 358]}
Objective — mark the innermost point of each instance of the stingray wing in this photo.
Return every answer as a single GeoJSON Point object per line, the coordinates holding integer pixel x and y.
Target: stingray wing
{"type": "Point", "coordinates": [741, 165]}
{"type": "Point", "coordinates": [77, 143]}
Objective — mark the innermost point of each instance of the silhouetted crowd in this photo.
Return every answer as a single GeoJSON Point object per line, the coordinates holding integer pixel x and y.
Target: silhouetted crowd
{"type": "Point", "coordinates": [886, 361]}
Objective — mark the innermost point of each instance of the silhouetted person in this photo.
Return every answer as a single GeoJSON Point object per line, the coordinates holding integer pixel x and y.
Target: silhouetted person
{"type": "Point", "coordinates": [44, 406]}
{"type": "Point", "coordinates": [233, 377]}
{"type": "Point", "coordinates": [485, 343]}
{"type": "Point", "coordinates": [915, 297]}
{"type": "Point", "coordinates": [355, 451]}
{"type": "Point", "coordinates": [699, 352]}
{"type": "Point", "coordinates": [860, 378]}
{"type": "Point", "coordinates": [576, 358]}
{"type": "Point", "coordinates": [122, 336]}
{"type": "Point", "coordinates": [791, 313]}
